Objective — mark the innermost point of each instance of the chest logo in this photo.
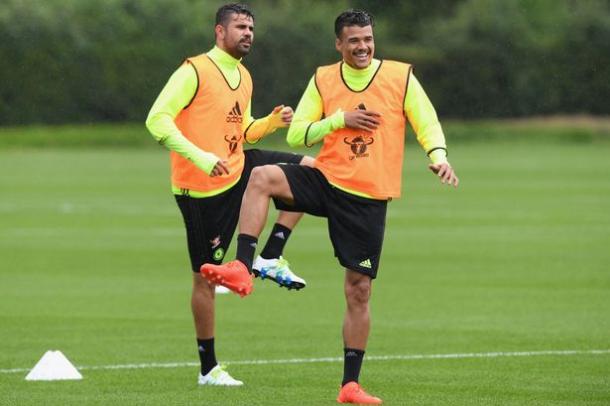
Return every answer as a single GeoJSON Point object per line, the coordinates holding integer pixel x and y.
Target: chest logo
{"type": "Point", "coordinates": [234, 115]}
{"type": "Point", "coordinates": [359, 143]}
{"type": "Point", "coordinates": [232, 142]}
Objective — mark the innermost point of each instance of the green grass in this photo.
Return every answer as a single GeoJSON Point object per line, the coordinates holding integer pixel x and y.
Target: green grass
{"type": "Point", "coordinates": [93, 263]}
{"type": "Point", "coordinates": [558, 129]}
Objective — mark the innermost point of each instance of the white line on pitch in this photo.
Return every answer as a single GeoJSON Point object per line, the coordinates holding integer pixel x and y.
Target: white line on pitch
{"type": "Point", "coordinates": [339, 359]}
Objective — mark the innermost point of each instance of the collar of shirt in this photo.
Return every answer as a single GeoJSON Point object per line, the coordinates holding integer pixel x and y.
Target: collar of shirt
{"type": "Point", "coordinates": [223, 59]}
{"type": "Point", "coordinates": [358, 79]}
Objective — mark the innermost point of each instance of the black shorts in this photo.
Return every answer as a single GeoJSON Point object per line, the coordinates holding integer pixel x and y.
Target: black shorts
{"type": "Point", "coordinates": [211, 221]}
{"type": "Point", "coordinates": [356, 225]}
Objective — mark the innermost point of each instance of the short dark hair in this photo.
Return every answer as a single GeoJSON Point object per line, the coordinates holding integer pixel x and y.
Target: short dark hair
{"type": "Point", "coordinates": [224, 13]}
{"type": "Point", "coordinates": [351, 17]}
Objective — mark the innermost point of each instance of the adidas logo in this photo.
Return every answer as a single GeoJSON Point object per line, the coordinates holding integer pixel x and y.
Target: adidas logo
{"type": "Point", "coordinates": [366, 264]}
{"type": "Point", "coordinates": [280, 235]}
{"type": "Point", "coordinates": [361, 106]}
{"type": "Point", "coordinates": [234, 115]}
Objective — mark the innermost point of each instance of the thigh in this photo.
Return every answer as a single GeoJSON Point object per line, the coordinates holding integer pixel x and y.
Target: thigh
{"type": "Point", "coordinates": [356, 227]}
{"type": "Point", "coordinates": [210, 224]}
{"type": "Point", "coordinates": [260, 157]}
{"type": "Point", "coordinates": [257, 157]}
{"type": "Point", "coordinates": [310, 190]}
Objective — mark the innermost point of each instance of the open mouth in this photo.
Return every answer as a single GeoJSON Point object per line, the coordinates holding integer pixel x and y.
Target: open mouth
{"type": "Point", "coordinates": [362, 57]}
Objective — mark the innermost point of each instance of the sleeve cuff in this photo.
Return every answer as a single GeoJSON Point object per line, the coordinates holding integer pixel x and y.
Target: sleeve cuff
{"type": "Point", "coordinates": [206, 161]}
{"type": "Point", "coordinates": [337, 120]}
{"type": "Point", "coordinates": [438, 156]}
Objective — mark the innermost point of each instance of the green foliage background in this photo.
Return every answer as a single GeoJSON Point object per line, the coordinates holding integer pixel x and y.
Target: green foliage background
{"type": "Point", "coordinates": [85, 61]}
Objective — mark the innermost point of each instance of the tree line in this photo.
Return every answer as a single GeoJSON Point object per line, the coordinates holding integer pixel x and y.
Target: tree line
{"type": "Point", "coordinates": [88, 61]}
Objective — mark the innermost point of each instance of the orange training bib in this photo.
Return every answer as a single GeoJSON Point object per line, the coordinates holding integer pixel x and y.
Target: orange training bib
{"type": "Point", "coordinates": [213, 122]}
{"type": "Point", "coordinates": [362, 161]}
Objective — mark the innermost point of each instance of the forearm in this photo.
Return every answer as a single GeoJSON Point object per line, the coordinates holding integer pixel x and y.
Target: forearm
{"type": "Point", "coordinates": [432, 140]}
{"type": "Point", "coordinates": [257, 129]}
{"type": "Point", "coordinates": [164, 130]}
{"type": "Point", "coordinates": [307, 132]}
{"type": "Point", "coordinates": [422, 116]}
{"type": "Point", "coordinates": [307, 128]}
{"type": "Point", "coordinates": [175, 96]}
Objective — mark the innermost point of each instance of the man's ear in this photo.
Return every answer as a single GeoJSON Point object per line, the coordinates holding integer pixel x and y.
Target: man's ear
{"type": "Point", "coordinates": [219, 30]}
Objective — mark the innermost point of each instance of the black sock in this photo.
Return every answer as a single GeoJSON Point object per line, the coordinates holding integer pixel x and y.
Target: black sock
{"type": "Point", "coordinates": [351, 365]}
{"type": "Point", "coordinates": [207, 356]}
{"type": "Point", "coordinates": [246, 246]}
{"type": "Point", "coordinates": [276, 242]}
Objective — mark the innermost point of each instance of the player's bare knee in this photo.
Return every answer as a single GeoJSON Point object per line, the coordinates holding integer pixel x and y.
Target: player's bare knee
{"type": "Point", "coordinates": [201, 286]}
{"type": "Point", "coordinates": [260, 179]}
{"type": "Point", "coordinates": [358, 293]}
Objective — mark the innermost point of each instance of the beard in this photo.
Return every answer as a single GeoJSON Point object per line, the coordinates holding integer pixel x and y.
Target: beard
{"type": "Point", "coordinates": [243, 49]}
{"type": "Point", "coordinates": [237, 49]}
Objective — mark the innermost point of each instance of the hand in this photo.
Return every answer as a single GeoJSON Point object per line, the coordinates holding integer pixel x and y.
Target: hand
{"type": "Point", "coordinates": [285, 115]}
{"type": "Point", "coordinates": [445, 173]}
{"type": "Point", "coordinates": [362, 120]}
{"type": "Point", "coordinates": [220, 168]}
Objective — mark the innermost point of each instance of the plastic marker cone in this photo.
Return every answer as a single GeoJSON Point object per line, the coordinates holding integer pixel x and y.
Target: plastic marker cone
{"type": "Point", "coordinates": [53, 366]}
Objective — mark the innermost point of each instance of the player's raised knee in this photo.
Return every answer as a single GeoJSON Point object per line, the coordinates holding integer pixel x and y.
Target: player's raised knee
{"type": "Point", "coordinates": [262, 177]}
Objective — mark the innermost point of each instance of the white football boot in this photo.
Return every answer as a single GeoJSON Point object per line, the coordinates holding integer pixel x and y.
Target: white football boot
{"type": "Point", "coordinates": [218, 377]}
{"type": "Point", "coordinates": [277, 270]}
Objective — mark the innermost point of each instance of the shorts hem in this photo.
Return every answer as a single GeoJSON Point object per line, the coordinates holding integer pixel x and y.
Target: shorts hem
{"type": "Point", "coordinates": [356, 268]}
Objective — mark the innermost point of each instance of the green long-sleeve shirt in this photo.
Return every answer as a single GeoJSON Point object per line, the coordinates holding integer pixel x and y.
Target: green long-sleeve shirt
{"type": "Point", "coordinates": [417, 108]}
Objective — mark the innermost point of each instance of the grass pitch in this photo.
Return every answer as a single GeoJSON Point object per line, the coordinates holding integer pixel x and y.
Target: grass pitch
{"type": "Point", "coordinates": [93, 262]}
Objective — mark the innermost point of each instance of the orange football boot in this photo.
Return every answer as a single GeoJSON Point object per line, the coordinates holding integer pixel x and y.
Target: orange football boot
{"type": "Point", "coordinates": [352, 392]}
{"type": "Point", "coordinates": [233, 275]}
